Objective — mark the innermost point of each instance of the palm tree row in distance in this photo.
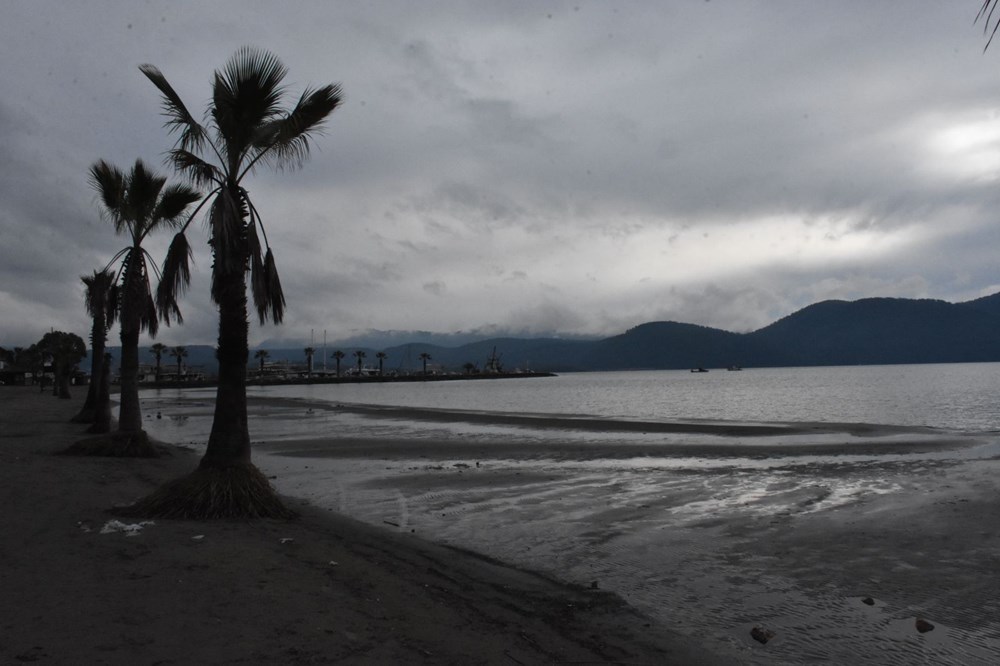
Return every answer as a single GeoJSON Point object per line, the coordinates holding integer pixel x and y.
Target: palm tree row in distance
{"type": "Point", "coordinates": [338, 355]}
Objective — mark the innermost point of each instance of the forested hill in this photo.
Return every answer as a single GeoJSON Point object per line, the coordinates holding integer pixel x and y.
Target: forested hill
{"type": "Point", "coordinates": [867, 331]}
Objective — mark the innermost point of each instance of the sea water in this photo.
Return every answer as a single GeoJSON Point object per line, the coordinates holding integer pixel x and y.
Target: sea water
{"type": "Point", "coordinates": [677, 523]}
{"type": "Point", "coordinates": [960, 397]}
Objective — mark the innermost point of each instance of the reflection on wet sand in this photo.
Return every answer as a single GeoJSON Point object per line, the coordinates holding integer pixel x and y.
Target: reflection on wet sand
{"type": "Point", "coordinates": [715, 527]}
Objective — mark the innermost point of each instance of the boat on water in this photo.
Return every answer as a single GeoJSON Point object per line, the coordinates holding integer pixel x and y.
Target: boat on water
{"type": "Point", "coordinates": [699, 369]}
{"type": "Point", "coordinates": [734, 368]}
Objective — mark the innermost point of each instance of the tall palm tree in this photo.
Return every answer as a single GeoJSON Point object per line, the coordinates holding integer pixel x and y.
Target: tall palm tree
{"type": "Point", "coordinates": [424, 356]}
{"type": "Point", "coordinates": [337, 355]}
{"type": "Point", "coordinates": [381, 356]}
{"type": "Point", "coordinates": [138, 203]}
{"type": "Point", "coordinates": [158, 350]}
{"type": "Point", "coordinates": [179, 352]}
{"type": "Point", "coordinates": [246, 126]}
{"type": "Point", "coordinates": [361, 356]}
{"type": "Point", "coordinates": [309, 351]}
{"type": "Point", "coordinates": [262, 354]}
{"type": "Point", "coordinates": [101, 301]}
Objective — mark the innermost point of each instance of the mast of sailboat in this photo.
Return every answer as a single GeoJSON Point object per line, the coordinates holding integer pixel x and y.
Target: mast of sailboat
{"type": "Point", "coordinates": [324, 350]}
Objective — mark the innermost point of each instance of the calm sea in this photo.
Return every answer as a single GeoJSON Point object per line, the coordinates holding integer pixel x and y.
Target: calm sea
{"type": "Point", "coordinates": [683, 526]}
{"type": "Point", "coordinates": [959, 397]}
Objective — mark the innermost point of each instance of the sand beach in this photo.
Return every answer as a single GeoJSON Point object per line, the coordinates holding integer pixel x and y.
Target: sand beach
{"type": "Point", "coordinates": [837, 542]}
{"type": "Point", "coordinates": [321, 589]}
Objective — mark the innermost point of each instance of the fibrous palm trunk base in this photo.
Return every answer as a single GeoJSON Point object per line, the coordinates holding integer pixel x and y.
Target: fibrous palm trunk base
{"type": "Point", "coordinates": [239, 491]}
{"type": "Point", "coordinates": [116, 444]}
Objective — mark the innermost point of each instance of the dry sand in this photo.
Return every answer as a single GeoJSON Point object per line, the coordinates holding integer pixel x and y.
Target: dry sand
{"type": "Point", "coordinates": [322, 589]}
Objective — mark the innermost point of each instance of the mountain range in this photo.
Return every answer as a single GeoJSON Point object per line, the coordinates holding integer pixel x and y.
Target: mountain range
{"type": "Point", "coordinates": [869, 331]}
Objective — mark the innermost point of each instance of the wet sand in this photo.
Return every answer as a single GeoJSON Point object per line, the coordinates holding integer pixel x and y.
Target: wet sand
{"type": "Point", "coordinates": [322, 589]}
{"type": "Point", "coordinates": [837, 538]}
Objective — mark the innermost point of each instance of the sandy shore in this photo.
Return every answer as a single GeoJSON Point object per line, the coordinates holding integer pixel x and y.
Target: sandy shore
{"type": "Point", "coordinates": [322, 589]}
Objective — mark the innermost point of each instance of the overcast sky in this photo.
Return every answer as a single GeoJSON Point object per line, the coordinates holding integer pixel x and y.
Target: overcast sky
{"type": "Point", "coordinates": [529, 167]}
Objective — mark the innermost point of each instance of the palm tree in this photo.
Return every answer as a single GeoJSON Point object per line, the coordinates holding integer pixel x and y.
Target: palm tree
{"type": "Point", "coordinates": [424, 356]}
{"type": "Point", "coordinates": [309, 360]}
{"type": "Point", "coordinates": [469, 367]}
{"type": "Point", "coordinates": [158, 350]}
{"type": "Point", "coordinates": [381, 356]}
{"type": "Point", "coordinates": [138, 203]}
{"type": "Point", "coordinates": [179, 352]}
{"type": "Point", "coordinates": [337, 355]}
{"type": "Point", "coordinates": [246, 127]}
{"type": "Point", "coordinates": [361, 356]}
{"type": "Point", "coordinates": [101, 301]}
{"type": "Point", "coordinates": [263, 355]}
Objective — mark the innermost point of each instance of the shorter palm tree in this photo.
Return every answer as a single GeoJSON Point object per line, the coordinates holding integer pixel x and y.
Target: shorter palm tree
{"type": "Point", "coordinates": [101, 300]}
{"type": "Point", "coordinates": [179, 353]}
{"type": "Point", "coordinates": [424, 356]}
{"type": "Point", "coordinates": [469, 367]}
{"type": "Point", "coordinates": [138, 203]}
{"type": "Point", "coordinates": [361, 356]}
{"type": "Point", "coordinates": [381, 356]}
{"type": "Point", "coordinates": [158, 350]}
{"type": "Point", "coordinates": [337, 355]}
{"type": "Point", "coordinates": [263, 355]}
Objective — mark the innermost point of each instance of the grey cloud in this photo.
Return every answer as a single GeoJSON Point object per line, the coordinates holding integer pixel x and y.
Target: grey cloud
{"type": "Point", "coordinates": [482, 144]}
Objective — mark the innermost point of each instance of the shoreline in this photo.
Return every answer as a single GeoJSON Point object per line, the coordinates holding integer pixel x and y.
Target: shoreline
{"type": "Point", "coordinates": [322, 589]}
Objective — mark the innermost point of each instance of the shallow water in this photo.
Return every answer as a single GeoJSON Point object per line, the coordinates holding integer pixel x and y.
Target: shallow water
{"type": "Point", "coordinates": [711, 533]}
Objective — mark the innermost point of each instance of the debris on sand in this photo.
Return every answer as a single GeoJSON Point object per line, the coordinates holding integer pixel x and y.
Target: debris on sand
{"type": "Point", "coordinates": [761, 635]}
{"type": "Point", "coordinates": [129, 529]}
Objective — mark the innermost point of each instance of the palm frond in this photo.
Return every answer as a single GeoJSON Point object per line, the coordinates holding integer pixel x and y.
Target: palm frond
{"type": "Point", "coordinates": [986, 13]}
{"type": "Point", "coordinates": [114, 304]}
{"type": "Point", "coordinates": [268, 297]}
{"type": "Point", "coordinates": [285, 142]}
{"type": "Point", "coordinates": [109, 181]}
{"type": "Point", "coordinates": [142, 190]}
{"type": "Point", "coordinates": [245, 95]}
{"type": "Point", "coordinates": [118, 255]}
{"type": "Point", "coordinates": [173, 201]}
{"type": "Point", "coordinates": [90, 301]}
{"type": "Point", "coordinates": [150, 321]}
{"type": "Point", "coordinates": [175, 278]}
{"type": "Point", "coordinates": [100, 289]}
{"type": "Point", "coordinates": [192, 134]}
{"type": "Point", "coordinates": [200, 172]}
{"type": "Point", "coordinates": [258, 278]}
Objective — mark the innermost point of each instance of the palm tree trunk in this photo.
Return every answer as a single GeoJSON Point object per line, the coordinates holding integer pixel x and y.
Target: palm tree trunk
{"type": "Point", "coordinates": [102, 406]}
{"type": "Point", "coordinates": [229, 441]}
{"type": "Point", "coordinates": [129, 415]}
{"type": "Point", "coordinates": [97, 343]}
